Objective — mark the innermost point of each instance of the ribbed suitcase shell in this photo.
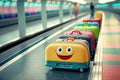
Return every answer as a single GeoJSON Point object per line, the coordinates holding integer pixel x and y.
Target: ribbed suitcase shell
{"type": "Point", "coordinates": [94, 20]}
{"type": "Point", "coordinates": [89, 33]}
{"type": "Point", "coordinates": [76, 40]}
{"type": "Point", "coordinates": [99, 15]}
{"type": "Point", "coordinates": [93, 29]}
{"type": "Point", "coordinates": [80, 24]}
{"type": "Point", "coordinates": [79, 37]}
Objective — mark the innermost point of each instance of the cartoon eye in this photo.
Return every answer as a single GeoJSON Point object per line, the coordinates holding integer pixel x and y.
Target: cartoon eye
{"type": "Point", "coordinates": [59, 49]}
{"type": "Point", "coordinates": [69, 50]}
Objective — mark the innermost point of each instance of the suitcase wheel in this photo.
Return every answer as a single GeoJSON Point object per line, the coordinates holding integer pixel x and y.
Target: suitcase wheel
{"type": "Point", "coordinates": [81, 70]}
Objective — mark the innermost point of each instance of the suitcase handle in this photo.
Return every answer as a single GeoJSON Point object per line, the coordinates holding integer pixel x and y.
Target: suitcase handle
{"type": "Point", "coordinates": [70, 39]}
{"type": "Point", "coordinates": [90, 20]}
{"type": "Point", "coordinates": [76, 32]}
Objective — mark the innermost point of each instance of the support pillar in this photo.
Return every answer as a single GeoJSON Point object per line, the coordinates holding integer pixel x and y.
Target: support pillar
{"type": "Point", "coordinates": [44, 13]}
{"type": "Point", "coordinates": [21, 18]}
{"type": "Point", "coordinates": [61, 11]}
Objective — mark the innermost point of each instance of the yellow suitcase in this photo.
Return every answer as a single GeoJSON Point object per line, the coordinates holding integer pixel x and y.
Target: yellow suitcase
{"type": "Point", "coordinates": [69, 54]}
{"type": "Point", "coordinates": [99, 15]}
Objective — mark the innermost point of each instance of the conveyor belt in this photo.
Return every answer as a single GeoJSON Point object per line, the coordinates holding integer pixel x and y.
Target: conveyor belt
{"type": "Point", "coordinates": [32, 66]}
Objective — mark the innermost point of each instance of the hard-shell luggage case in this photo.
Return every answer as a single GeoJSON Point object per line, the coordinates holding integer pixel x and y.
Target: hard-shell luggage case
{"type": "Point", "coordinates": [94, 20]}
{"type": "Point", "coordinates": [89, 33]}
{"type": "Point", "coordinates": [93, 29]}
{"type": "Point", "coordinates": [83, 37]}
{"type": "Point", "coordinates": [94, 24]}
{"type": "Point", "coordinates": [68, 55]}
{"type": "Point", "coordinates": [99, 15]}
{"type": "Point", "coordinates": [80, 24]}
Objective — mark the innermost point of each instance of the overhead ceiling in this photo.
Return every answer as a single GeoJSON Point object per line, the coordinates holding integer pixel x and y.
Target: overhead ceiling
{"type": "Point", "coordinates": [94, 1]}
{"type": "Point", "coordinates": [88, 1]}
{"type": "Point", "coordinates": [77, 1]}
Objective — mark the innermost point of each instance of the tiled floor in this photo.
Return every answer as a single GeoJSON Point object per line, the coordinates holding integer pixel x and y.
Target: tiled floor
{"type": "Point", "coordinates": [111, 48]}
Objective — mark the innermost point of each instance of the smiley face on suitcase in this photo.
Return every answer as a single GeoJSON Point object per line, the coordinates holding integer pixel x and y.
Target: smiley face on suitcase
{"type": "Point", "coordinates": [67, 54]}
{"type": "Point", "coordinates": [64, 53]}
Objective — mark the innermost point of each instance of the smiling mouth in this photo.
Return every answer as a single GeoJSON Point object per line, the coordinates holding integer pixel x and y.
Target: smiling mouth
{"type": "Point", "coordinates": [64, 57]}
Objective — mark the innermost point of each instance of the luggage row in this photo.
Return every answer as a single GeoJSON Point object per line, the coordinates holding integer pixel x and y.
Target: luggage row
{"type": "Point", "coordinates": [75, 48]}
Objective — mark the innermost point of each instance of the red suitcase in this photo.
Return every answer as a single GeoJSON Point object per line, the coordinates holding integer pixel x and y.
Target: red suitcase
{"type": "Point", "coordinates": [86, 32]}
{"type": "Point", "coordinates": [94, 20]}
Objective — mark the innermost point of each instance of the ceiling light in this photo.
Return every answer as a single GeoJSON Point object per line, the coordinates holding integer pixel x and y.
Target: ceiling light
{"type": "Point", "coordinates": [105, 1]}
{"type": "Point", "coordinates": [78, 1]}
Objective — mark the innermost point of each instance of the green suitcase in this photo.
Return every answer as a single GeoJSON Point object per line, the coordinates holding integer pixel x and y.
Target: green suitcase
{"type": "Point", "coordinates": [93, 29]}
